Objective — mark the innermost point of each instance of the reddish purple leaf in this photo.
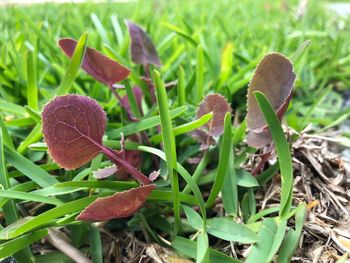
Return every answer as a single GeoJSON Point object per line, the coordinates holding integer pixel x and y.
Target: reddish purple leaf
{"type": "Point", "coordinates": [217, 104]}
{"type": "Point", "coordinates": [73, 127]}
{"type": "Point", "coordinates": [142, 49]}
{"type": "Point", "coordinates": [99, 66]}
{"type": "Point", "coordinates": [105, 172]}
{"type": "Point", "coordinates": [274, 77]}
{"type": "Point", "coordinates": [119, 205]}
{"type": "Point", "coordinates": [204, 138]}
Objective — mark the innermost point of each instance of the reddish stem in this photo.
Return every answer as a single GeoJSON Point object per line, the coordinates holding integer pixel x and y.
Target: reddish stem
{"type": "Point", "coordinates": [119, 161]}
{"type": "Point", "coordinates": [260, 165]}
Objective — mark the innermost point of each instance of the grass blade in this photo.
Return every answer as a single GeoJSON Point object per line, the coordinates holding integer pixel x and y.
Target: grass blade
{"type": "Point", "coordinates": [187, 127]}
{"type": "Point", "coordinates": [200, 74]}
{"type": "Point", "coordinates": [226, 147]}
{"type": "Point", "coordinates": [143, 124]}
{"type": "Point", "coordinates": [283, 152]}
{"type": "Point", "coordinates": [74, 66]}
{"type": "Point", "coordinates": [169, 145]}
{"type": "Point", "coordinates": [10, 247]}
{"type": "Point", "coordinates": [29, 169]}
{"type": "Point", "coordinates": [188, 248]}
{"type": "Point", "coordinates": [181, 95]}
{"type": "Point", "coordinates": [32, 88]}
{"type": "Point", "coordinates": [95, 244]}
{"type": "Point", "coordinates": [9, 208]}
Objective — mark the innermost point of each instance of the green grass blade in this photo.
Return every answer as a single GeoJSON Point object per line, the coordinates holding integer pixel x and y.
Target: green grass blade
{"type": "Point", "coordinates": [226, 147]}
{"type": "Point", "coordinates": [29, 169]}
{"type": "Point", "coordinates": [200, 74]}
{"type": "Point", "coordinates": [143, 124]}
{"type": "Point", "coordinates": [32, 88]}
{"type": "Point", "coordinates": [169, 145]}
{"type": "Point", "coordinates": [21, 228]}
{"type": "Point", "coordinates": [292, 238]}
{"type": "Point", "coordinates": [9, 208]}
{"type": "Point", "coordinates": [6, 138]}
{"type": "Point", "coordinates": [185, 175]}
{"type": "Point", "coordinates": [187, 127]}
{"type": "Point", "coordinates": [34, 136]}
{"type": "Point", "coordinates": [95, 244]}
{"type": "Point", "coordinates": [74, 66]}
{"type": "Point", "coordinates": [199, 170]}
{"type": "Point", "coordinates": [181, 85]}
{"type": "Point", "coordinates": [29, 197]}
{"type": "Point", "coordinates": [100, 29]}
{"type": "Point", "coordinates": [188, 247]}
{"type": "Point", "coordinates": [229, 189]}
{"type": "Point", "coordinates": [132, 100]}
{"type": "Point", "coordinates": [10, 247]}
{"type": "Point", "coordinates": [283, 152]}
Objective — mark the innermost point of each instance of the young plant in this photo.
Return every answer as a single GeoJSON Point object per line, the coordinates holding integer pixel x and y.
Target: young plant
{"type": "Point", "coordinates": [73, 128]}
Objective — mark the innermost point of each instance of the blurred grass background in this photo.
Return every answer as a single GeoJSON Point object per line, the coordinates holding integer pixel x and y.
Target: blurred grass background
{"type": "Point", "coordinates": [240, 31]}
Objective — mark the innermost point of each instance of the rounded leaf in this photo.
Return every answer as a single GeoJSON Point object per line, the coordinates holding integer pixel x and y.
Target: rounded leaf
{"type": "Point", "coordinates": [73, 128]}
{"type": "Point", "coordinates": [217, 104]}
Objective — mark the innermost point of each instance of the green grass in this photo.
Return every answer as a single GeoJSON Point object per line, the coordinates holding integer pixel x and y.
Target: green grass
{"type": "Point", "coordinates": [207, 46]}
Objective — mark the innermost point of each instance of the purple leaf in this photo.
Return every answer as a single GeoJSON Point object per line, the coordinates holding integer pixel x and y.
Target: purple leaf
{"type": "Point", "coordinates": [274, 77]}
{"type": "Point", "coordinates": [99, 66]}
{"type": "Point", "coordinates": [105, 172]}
{"type": "Point", "coordinates": [73, 127]}
{"type": "Point", "coordinates": [119, 205]}
{"type": "Point", "coordinates": [142, 49]}
{"type": "Point", "coordinates": [217, 104]}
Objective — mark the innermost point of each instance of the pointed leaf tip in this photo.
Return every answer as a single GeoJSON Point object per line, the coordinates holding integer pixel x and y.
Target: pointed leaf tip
{"type": "Point", "coordinates": [99, 66]}
{"type": "Point", "coordinates": [73, 127]}
{"type": "Point", "coordinates": [119, 205]}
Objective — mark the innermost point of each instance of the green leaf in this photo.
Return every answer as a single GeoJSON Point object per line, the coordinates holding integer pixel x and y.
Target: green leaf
{"type": "Point", "coordinates": [181, 95]}
{"type": "Point", "coordinates": [10, 247]}
{"type": "Point", "coordinates": [227, 229]}
{"type": "Point", "coordinates": [74, 66]}
{"type": "Point", "coordinates": [29, 169]}
{"type": "Point", "coordinates": [193, 217]}
{"type": "Point", "coordinates": [292, 238]}
{"type": "Point", "coordinates": [189, 248]}
{"type": "Point", "coordinates": [95, 244]}
{"type": "Point", "coordinates": [143, 124]}
{"type": "Point", "coordinates": [186, 176]}
{"type": "Point", "coordinates": [29, 197]}
{"type": "Point", "coordinates": [226, 147]}
{"type": "Point", "coordinates": [229, 189]}
{"type": "Point", "coordinates": [169, 145]}
{"type": "Point", "coordinates": [202, 248]}
{"type": "Point", "coordinates": [32, 88]}
{"type": "Point", "coordinates": [283, 152]}
{"type": "Point", "coordinates": [187, 127]}
{"type": "Point", "coordinates": [200, 74]}
{"type": "Point", "coordinates": [270, 238]}
{"type": "Point", "coordinates": [13, 231]}
{"type": "Point", "coordinates": [245, 179]}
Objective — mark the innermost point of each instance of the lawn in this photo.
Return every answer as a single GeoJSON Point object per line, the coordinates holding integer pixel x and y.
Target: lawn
{"type": "Point", "coordinates": [175, 131]}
